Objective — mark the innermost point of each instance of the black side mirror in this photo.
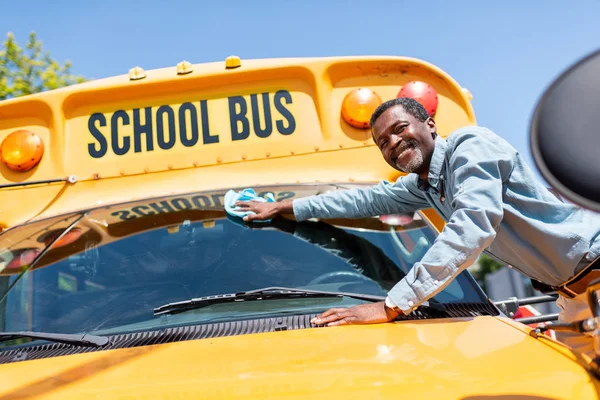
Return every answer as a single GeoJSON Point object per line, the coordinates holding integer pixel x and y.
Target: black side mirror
{"type": "Point", "coordinates": [565, 133]}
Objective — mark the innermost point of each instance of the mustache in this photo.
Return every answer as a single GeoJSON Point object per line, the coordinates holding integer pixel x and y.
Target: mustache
{"type": "Point", "coordinates": [406, 144]}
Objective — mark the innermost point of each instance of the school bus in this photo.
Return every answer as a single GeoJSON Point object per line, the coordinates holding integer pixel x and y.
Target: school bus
{"type": "Point", "coordinates": [121, 276]}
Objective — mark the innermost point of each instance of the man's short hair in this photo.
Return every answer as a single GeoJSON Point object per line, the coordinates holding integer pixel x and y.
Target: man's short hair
{"type": "Point", "coordinates": [411, 106]}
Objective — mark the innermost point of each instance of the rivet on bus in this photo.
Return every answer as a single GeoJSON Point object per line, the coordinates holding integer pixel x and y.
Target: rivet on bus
{"type": "Point", "coordinates": [136, 73]}
{"type": "Point", "coordinates": [21, 150]}
{"type": "Point", "coordinates": [358, 106]}
{"type": "Point", "coordinates": [184, 67]}
{"type": "Point", "coordinates": [423, 92]}
{"type": "Point", "coordinates": [233, 62]}
{"type": "Point", "coordinates": [467, 93]}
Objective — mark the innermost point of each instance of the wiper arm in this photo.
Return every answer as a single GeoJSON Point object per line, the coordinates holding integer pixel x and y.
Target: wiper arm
{"type": "Point", "coordinates": [269, 293]}
{"type": "Point", "coordinates": [75, 339]}
{"type": "Point", "coordinates": [39, 256]}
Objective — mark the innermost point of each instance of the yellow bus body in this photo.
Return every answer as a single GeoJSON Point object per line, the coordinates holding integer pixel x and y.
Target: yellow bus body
{"type": "Point", "coordinates": [320, 146]}
{"type": "Point", "coordinates": [264, 123]}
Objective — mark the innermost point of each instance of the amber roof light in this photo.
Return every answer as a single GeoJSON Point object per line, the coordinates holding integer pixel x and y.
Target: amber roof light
{"type": "Point", "coordinates": [358, 106]}
{"type": "Point", "coordinates": [21, 150]}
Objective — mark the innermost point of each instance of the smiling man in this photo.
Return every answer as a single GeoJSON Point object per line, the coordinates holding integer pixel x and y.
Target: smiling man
{"type": "Point", "coordinates": [490, 199]}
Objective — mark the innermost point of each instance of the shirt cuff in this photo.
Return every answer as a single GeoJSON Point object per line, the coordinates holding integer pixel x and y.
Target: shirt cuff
{"type": "Point", "coordinates": [404, 297]}
{"type": "Point", "coordinates": [301, 208]}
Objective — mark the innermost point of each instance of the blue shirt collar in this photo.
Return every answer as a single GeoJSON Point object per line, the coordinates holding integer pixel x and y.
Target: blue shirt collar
{"type": "Point", "coordinates": [435, 166]}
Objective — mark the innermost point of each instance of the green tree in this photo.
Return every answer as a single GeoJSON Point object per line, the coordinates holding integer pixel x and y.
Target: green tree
{"type": "Point", "coordinates": [487, 265]}
{"type": "Point", "coordinates": [31, 70]}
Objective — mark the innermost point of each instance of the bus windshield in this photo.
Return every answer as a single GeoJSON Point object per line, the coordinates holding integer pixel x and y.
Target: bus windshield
{"type": "Point", "coordinates": [117, 263]}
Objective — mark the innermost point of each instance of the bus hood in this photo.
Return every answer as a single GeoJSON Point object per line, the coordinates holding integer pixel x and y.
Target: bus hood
{"type": "Point", "coordinates": [480, 358]}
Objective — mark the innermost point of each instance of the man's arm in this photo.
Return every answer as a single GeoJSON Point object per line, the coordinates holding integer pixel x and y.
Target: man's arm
{"type": "Point", "coordinates": [384, 198]}
{"type": "Point", "coordinates": [479, 165]}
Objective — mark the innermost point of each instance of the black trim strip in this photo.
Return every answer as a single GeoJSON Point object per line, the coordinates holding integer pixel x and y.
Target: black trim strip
{"type": "Point", "coordinates": [232, 328]}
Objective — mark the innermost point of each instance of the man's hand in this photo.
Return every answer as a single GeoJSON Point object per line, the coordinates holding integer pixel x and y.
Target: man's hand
{"type": "Point", "coordinates": [262, 210]}
{"type": "Point", "coordinates": [374, 313]}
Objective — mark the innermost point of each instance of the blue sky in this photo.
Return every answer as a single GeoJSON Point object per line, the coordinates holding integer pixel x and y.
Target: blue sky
{"type": "Point", "coordinates": [505, 52]}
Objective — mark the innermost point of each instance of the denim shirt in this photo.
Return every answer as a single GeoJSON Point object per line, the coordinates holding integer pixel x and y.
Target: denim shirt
{"type": "Point", "coordinates": [491, 201]}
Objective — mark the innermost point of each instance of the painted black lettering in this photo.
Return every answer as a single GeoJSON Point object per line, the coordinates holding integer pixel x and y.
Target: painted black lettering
{"type": "Point", "coordinates": [160, 131]}
{"type": "Point", "coordinates": [263, 194]}
{"type": "Point", "coordinates": [141, 210]}
{"type": "Point", "coordinates": [139, 130]}
{"type": "Point", "coordinates": [103, 144]}
{"type": "Point", "coordinates": [207, 138]}
{"type": "Point", "coordinates": [114, 131]}
{"type": "Point", "coordinates": [188, 142]}
{"type": "Point", "coordinates": [262, 133]}
{"type": "Point", "coordinates": [217, 199]}
{"type": "Point", "coordinates": [123, 215]}
{"type": "Point", "coordinates": [162, 207]}
{"type": "Point", "coordinates": [285, 113]}
{"type": "Point", "coordinates": [285, 195]}
{"type": "Point", "coordinates": [201, 201]}
{"type": "Point", "coordinates": [181, 204]}
{"type": "Point", "coordinates": [238, 116]}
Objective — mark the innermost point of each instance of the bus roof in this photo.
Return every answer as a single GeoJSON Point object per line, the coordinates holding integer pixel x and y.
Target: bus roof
{"type": "Point", "coordinates": [204, 127]}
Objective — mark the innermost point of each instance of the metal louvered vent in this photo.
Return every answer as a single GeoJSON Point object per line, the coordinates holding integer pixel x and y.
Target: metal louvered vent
{"type": "Point", "coordinates": [244, 327]}
{"type": "Point", "coordinates": [452, 310]}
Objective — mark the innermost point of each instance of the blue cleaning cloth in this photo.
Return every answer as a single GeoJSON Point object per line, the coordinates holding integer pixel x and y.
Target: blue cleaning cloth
{"type": "Point", "coordinates": [231, 197]}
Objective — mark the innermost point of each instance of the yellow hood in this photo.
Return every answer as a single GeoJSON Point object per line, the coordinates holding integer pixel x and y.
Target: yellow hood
{"type": "Point", "coordinates": [481, 358]}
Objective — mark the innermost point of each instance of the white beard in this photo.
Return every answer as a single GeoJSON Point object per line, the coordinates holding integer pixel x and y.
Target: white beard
{"type": "Point", "coordinates": [415, 163]}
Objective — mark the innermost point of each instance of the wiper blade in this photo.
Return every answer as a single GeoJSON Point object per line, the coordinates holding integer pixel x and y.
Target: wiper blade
{"type": "Point", "coordinates": [82, 339]}
{"type": "Point", "coordinates": [269, 293]}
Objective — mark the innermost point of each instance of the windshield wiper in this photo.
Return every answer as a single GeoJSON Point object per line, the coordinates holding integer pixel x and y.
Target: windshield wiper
{"type": "Point", "coordinates": [269, 293]}
{"type": "Point", "coordinates": [82, 339]}
{"type": "Point", "coordinates": [40, 255]}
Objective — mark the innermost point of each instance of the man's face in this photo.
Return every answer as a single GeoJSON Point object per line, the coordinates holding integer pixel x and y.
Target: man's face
{"type": "Point", "coordinates": [405, 142]}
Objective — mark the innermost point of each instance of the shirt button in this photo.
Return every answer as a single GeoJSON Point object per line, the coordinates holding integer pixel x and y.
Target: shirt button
{"type": "Point", "coordinates": [410, 304]}
{"type": "Point", "coordinates": [436, 282]}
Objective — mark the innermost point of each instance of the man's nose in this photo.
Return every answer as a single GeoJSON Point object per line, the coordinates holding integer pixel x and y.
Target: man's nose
{"type": "Point", "coordinates": [395, 141]}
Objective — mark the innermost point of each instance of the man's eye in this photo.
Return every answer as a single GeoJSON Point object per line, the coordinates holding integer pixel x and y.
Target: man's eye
{"type": "Point", "coordinates": [399, 129]}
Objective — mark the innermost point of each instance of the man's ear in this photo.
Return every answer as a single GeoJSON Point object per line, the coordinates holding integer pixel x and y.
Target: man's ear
{"type": "Point", "coordinates": [432, 127]}
{"type": "Point", "coordinates": [431, 123]}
